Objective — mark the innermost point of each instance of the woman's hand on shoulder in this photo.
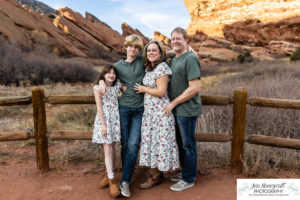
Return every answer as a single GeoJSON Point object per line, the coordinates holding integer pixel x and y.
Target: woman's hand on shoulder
{"type": "Point", "coordinates": [190, 49]}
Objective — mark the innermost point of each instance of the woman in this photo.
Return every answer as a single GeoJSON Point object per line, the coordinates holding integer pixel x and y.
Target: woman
{"type": "Point", "coordinates": [159, 150]}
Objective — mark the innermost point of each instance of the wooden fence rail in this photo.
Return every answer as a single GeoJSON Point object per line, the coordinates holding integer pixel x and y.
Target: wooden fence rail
{"type": "Point", "coordinates": [274, 103]}
{"type": "Point", "coordinates": [274, 141]}
{"type": "Point", "coordinates": [12, 101]}
{"type": "Point", "coordinates": [239, 101]}
{"type": "Point", "coordinates": [15, 136]}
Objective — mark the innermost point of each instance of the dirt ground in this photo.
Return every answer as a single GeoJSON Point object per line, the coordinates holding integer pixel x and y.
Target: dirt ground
{"type": "Point", "coordinates": [20, 180]}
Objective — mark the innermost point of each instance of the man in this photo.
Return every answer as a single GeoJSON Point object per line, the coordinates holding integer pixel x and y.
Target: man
{"type": "Point", "coordinates": [186, 105]}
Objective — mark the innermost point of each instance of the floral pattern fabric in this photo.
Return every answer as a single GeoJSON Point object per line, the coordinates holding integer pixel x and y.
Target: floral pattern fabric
{"type": "Point", "coordinates": [158, 141]}
{"type": "Point", "coordinates": [111, 116]}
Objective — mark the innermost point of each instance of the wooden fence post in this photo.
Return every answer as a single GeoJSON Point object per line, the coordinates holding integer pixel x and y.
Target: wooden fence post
{"type": "Point", "coordinates": [40, 129]}
{"type": "Point", "coordinates": [238, 129]}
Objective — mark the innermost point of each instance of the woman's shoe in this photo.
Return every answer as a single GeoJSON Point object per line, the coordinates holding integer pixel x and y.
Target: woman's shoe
{"type": "Point", "coordinates": [153, 179]}
{"type": "Point", "coordinates": [104, 182]}
{"type": "Point", "coordinates": [113, 188]}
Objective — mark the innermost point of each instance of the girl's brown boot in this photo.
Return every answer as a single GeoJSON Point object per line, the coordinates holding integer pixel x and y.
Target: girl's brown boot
{"type": "Point", "coordinates": [104, 181]}
{"type": "Point", "coordinates": [113, 188]}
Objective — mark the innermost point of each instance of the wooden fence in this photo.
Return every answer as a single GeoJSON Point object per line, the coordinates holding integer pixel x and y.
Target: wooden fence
{"type": "Point", "coordinates": [239, 101]}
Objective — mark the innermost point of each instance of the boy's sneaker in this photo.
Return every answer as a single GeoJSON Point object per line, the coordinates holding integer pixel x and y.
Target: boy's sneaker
{"type": "Point", "coordinates": [177, 177]}
{"type": "Point", "coordinates": [181, 185]}
{"type": "Point", "coordinates": [124, 187]}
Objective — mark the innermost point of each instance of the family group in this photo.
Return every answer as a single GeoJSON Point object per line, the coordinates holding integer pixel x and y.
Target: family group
{"type": "Point", "coordinates": [154, 118]}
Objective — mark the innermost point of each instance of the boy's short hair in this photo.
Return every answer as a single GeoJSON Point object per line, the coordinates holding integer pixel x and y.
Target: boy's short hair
{"type": "Point", "coordinates": [134, 40]}
{"type": "Point", "coordinates": [180, 30]}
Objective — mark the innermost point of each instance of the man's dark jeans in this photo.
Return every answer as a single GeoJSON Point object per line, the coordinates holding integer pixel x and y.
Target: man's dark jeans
{"type": "Point", "coordinates": [185, 136]}
{"type": "Point", "coordinates": [131, 122]}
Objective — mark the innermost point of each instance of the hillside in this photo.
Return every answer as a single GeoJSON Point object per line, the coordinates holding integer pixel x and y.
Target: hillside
{"type": "Point", "coordinates": [69, 34]}
{"type": "Point", "coordinates": [219, 31]}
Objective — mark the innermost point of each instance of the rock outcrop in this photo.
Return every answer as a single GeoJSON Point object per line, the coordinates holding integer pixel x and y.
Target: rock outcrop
{"type": "Point", "coordinates": [215, 49]}
{"type": "Point", "coordinates": [282, 47]}
{"type": "Point", "coordinates": [69, 34]}
{"type": "Point", "coordinates": [128, 30]}
{"type": "Point", "coordinates": [104, 34]}
{"type": "Point", "coordinates": [256, 33]}
{"type": "Point", "coordinates": [161, 37]}
{"type": "Point", "coordinates": [210, 17]}
{"type": "Point", "coordinates": [220, 30]}
{"type": "Point", "coordinates": [29, 30]}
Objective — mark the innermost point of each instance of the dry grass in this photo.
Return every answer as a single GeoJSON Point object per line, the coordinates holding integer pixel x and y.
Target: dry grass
{"type": "Point", "coordinates": [262, 79]}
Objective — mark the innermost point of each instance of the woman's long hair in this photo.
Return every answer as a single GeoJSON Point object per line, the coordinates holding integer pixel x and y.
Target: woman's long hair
{"type": "Point", "coordinates": [163, 58]}
{"type": "Point", "coordinates": [106, 69]}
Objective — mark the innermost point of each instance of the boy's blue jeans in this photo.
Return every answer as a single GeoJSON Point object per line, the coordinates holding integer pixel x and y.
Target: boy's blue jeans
{"type": "Point", "coordinates": [185, 136]}
{"type": "Point", "coordinates": [131, 122]}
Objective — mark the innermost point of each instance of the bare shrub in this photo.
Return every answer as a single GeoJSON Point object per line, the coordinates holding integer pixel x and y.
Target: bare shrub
{"type": "Point", "coordinates": [17, 67]}
{"type": "Point", "coordinates": [296, 55]}
{"type": "Point", "coordinates": [258, 164]}
{"type": "Point", "coordinates": [212, 155]}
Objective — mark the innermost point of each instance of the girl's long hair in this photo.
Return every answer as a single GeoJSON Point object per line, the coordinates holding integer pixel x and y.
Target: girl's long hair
{"type": "Point", "coordinates": [106, 69]}
{"type": "Point", "coordinates": [163, 58]}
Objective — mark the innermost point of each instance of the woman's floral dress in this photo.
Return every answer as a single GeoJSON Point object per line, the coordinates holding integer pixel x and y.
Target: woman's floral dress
{"type": "Point", "coordinates": [158, 141]}
{"type": "Point", "coordinates": [111, 116]}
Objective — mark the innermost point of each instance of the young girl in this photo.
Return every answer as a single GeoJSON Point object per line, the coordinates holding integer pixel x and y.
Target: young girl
{"type": "Point", "coordinates": [107, 124]}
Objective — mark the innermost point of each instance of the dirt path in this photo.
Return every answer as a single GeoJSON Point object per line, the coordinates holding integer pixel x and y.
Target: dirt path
{"type": "Point", "coordinates": [20, 180]}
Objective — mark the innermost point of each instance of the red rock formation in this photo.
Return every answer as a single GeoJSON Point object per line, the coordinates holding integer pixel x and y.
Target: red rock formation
{"type": "Point", "coordinates": [256, 33]}
{"type": "Point", "coordinates": [68, 34]}
{"type": "Point", "coordinates": [108, 37]}
{"type": "Point", "coordinates": [216, 49]}
{"type": "Point", "coordinates": [78, 34]}
{"type": "Point", "coordinates": [128, 30]}
{"type": "Point", "coordinates": [282, 47]}
{"type": "Point", "coordinates": [211, 16]}
{"type": "Point", "coordinates": [29, 29]}
{"type": "Point", "coordinates": [198, 36]}
{"type": "Point", "coordinates": [160, 37]}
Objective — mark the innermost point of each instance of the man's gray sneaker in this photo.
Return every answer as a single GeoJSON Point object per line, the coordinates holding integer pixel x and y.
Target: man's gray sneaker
{"type": "Point", "coordinates": [177, 177]}
{"type": "Point", "coordinates": [181, 185]}
{"type": "Point", "coordinates": [124, 187]}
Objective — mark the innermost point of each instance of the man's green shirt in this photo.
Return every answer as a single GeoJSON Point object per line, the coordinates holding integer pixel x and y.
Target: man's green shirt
{"type": "Point", "coordinates": [129, 74]}
{"type": "Point", "coordinates": [185, 68]}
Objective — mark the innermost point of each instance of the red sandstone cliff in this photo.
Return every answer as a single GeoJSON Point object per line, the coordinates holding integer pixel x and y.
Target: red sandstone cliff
{"type": "Point", "coordinates": [210, 17]}
{"type": "Point", "coordinates": [68, 34]}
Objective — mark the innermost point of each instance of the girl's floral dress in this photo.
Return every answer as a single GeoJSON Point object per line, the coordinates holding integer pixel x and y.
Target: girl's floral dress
{"type": "Point", "coordinates": [158, 141]}
{"type": "Point", "coordinates": [111, 116]}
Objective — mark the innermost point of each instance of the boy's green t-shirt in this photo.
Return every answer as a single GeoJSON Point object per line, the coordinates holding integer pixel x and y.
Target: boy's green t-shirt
{"type": "Point", "coordinates": [185, 68]}
{"type": "Point", "coordinates": [129, 74]}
